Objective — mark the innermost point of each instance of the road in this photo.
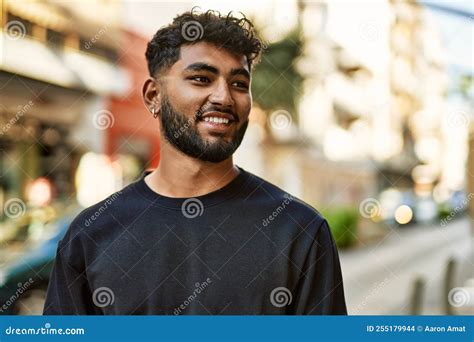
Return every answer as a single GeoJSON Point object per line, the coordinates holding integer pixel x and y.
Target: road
{"type": "Point", "coordinates": [379, 278]}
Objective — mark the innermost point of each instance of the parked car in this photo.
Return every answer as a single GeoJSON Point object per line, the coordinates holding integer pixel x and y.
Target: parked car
{"type": "Point", "coordinates": [24, 279]}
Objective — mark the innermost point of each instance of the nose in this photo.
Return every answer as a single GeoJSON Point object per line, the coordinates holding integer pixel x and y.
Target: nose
{"type": "Point", "coordinates": [221, 95]}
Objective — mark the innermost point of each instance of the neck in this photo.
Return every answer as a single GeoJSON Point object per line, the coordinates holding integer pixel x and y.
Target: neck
{"type": "Point", "coordinates": [179, 175]}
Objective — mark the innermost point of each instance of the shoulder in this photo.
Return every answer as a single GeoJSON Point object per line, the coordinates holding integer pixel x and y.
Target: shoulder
{"type": "Point", "coordinates": [101, 215]}
{"type": "Point", "coordinates": [269, 196]}
{"type": "Point", "coordinates": [275, 195]}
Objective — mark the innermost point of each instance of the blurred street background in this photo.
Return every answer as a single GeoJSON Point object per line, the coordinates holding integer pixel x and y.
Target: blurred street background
{"type": "Point", "coordinates": [363, 109]}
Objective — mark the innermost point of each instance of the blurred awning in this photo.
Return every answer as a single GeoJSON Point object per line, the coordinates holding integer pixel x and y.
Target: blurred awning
{"type": "Point", "coordinates": [64, 67]}
{"type": "Point", "coordinates": [63, 17]}
{"type": "Point", "coordinates": [38, 12]}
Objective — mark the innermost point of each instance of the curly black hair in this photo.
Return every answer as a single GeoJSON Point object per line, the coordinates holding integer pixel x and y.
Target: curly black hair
{"type": "Point", "coordinates": [236, 35]}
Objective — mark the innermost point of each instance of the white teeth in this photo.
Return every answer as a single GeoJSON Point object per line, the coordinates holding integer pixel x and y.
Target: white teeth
{"type": "Point", "coordinates": [216, 120]}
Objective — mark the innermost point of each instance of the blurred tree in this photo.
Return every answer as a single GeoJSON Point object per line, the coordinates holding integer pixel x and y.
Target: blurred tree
{"type": "Point", "coordinates": [276, 82]}
{"type": "Point", "coordinates": [465, 87]}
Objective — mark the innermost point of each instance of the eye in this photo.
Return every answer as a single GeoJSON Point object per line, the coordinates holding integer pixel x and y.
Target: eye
{"type": "Point", "coordinates": [240, 84]}
{"type": "Point", "coordinates": [200, 79]}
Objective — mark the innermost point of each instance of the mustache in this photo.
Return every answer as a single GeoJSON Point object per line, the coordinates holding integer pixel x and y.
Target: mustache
{"type": "Point", "coordinates": [208, 109]}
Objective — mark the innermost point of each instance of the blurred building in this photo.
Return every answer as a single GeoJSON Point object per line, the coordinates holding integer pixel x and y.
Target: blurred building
{"type": "Point", "coordinates": [374, 97]}
{"type": "Point", "coordinates": [71, 77]}
{"type": "Point", "coordinates": [51, 78]}
{"type": "Point", "coordinates": [135, 133]}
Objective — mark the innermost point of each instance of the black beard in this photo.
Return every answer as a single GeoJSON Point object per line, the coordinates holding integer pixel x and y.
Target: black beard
{"type": "Point", "coordinates": [183, 134]}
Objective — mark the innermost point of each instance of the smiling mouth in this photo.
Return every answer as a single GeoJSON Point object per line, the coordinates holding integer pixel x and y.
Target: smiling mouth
{"type": "Point", "coordinates": [217, 119]}
{"type": "Point", "coordinates": [216, 124]}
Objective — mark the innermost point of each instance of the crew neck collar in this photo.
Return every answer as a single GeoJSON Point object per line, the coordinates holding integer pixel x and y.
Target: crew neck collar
{"type": "Point", "coordinates": [213, 198]}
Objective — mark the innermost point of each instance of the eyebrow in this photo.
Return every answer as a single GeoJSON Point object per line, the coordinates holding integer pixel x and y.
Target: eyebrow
{"type": "Point", "coordinates": [214, 70]}
{"type": "Point", "coordinates": [240, 71]}
{"type": "Point", "coordinates": [201, 67]}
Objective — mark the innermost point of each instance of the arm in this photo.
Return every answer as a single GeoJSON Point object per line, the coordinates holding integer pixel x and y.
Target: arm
{"type": "Point", "coordinates": [320, 289]}
{"type": "Point", "coordinates": [68, 291]}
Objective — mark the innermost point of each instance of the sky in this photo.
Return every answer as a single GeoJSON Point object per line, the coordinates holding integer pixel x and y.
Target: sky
{"type": "Point", "coordinates": [457, 33]}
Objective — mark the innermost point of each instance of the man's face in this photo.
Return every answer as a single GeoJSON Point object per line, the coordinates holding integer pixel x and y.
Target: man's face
{"type": "Point", "coordinates": [205, 102]}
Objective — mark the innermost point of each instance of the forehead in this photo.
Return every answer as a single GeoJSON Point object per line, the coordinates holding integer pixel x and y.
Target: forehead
{"type": "Point", "coordinates": [203, 52]}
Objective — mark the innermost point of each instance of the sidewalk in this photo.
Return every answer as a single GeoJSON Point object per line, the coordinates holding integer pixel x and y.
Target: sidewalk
{"type": "Point", "coordinates": [379, 278]}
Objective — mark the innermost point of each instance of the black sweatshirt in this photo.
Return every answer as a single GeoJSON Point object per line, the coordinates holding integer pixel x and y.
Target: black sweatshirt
{"type": "Point", "coordinates": [248, 248]}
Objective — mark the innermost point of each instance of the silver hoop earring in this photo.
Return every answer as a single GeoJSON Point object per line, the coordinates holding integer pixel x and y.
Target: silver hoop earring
{"type": "Point", "coordinates": [154, 112]}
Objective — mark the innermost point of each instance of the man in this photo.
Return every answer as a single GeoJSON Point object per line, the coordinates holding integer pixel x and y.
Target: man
{"type": "Point", "coordinates": [198, 235]}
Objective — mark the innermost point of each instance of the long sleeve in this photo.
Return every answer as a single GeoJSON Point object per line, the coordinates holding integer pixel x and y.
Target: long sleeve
{"type": "Point", "coordinates": [320, 290]}
{"type": "Point", "coordinates": [68, 291]}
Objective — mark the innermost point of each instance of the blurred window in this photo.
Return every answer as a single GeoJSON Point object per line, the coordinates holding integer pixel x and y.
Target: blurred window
{"type": "Point", "coordinates": [94, 48]}
{"type": "Point", "coordinates": [54, 37]}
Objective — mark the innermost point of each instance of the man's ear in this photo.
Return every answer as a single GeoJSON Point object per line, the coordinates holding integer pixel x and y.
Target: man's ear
{"type": "Point", "coordinates": [152, 95]}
